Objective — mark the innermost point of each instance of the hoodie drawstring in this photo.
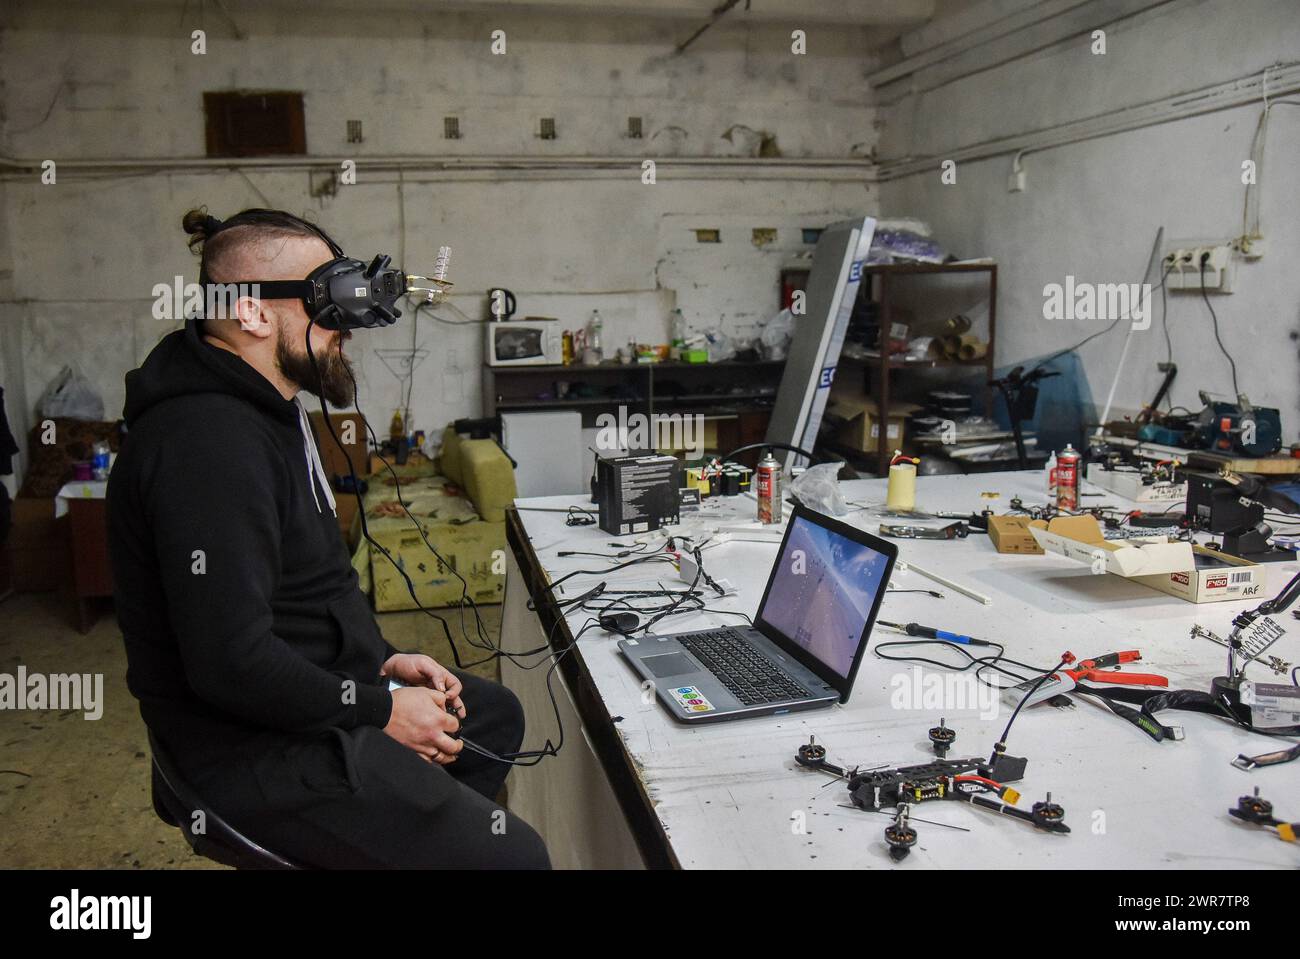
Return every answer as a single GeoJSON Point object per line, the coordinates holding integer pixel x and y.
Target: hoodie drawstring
{"type": "Point", "coordinates": [315, 469]}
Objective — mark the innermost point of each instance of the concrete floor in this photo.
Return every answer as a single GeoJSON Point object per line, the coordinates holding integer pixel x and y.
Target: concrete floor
{"type": "Point", "coordinates": [74, 793]}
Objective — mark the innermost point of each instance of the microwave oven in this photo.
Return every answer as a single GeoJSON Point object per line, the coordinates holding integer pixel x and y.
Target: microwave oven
{"type": "Point", "coordinates": [527, 342]}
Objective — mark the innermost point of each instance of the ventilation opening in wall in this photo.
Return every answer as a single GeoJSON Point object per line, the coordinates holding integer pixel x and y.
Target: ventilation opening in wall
{"type": "Point", "coordinates": [254, 123]}
{"type": "Point", "coordinates": [547, 131]}
{"type": "Point", "coordinates": [354, 132]}
{"type": "Point", "coordinates": [451, 128]}
{"type": "Point", "coordinates": [634, 128]}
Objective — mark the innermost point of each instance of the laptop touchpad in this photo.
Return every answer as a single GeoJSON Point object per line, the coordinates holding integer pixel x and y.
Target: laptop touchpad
{"type": "Point", "coordinates": [670, 664]}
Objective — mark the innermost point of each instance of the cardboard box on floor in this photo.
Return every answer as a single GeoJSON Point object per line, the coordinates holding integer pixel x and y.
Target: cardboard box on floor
{"type": "Point", "coordinates": [350, 428]}
{"type": "Point", "coordinates": [1196, 574]}
{"type": "Point", "coordinates": [860, 428]}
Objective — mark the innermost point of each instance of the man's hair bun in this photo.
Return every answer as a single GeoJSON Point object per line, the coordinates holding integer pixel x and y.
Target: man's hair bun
{"type": "Point", "coordinates": [200, 226]}
{"type": "Point", "coordinates": [216, 241]}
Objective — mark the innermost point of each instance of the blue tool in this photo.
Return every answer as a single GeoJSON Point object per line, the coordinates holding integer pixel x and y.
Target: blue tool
{"type": "Point", "coordinates": [930, 632]}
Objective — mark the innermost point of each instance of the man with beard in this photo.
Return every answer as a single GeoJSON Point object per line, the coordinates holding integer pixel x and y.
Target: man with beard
{"type": "Point", "coordinates": [257, 662]}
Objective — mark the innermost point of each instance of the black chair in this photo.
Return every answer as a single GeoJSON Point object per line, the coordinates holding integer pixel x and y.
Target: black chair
{"type": "Point", "coordinates": [176, 802]}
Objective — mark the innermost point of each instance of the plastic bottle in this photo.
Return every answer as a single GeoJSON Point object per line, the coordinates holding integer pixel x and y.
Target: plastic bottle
{"type": "Point", "coordinates": [677, 324]}
{"type": "Point", "coordinates": [1049, 474]}
{"type": "Point", "coordinates": [396, 429]}
{"type": "Point", "coordinates": [594, 326]}
{"type": "Point", "coordinates": [99, 460]}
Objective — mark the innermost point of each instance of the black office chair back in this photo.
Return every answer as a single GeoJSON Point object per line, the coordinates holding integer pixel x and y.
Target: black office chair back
{"type": "Point", "coordinates": [176, 803]}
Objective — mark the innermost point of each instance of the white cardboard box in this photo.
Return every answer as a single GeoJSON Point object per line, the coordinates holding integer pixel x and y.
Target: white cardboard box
{"type": "Point", "coordinates": [1217, 577]}
{"type": "Point", "coordinates": [1196, 574]}
{"type": "Point", "coordinates": [1080, 538]}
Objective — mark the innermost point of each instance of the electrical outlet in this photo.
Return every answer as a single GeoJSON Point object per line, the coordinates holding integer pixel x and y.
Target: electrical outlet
{"type": "Point", "coordinates": [1252, 247]}
{"type": "Point", "coordinates": [1183, 265]}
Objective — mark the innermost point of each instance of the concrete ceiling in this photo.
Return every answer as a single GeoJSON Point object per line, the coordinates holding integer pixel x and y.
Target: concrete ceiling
{"type": "Point", "coordinates": [849, 12]}
{"type": "Point", "coordinates": [897, 14]}
{"type": "Point", "coordinates": [883, 21]}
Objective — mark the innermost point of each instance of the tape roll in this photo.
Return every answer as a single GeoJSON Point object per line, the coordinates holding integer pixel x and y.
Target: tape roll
{"type": "Point", "coordinates": [957, 324]}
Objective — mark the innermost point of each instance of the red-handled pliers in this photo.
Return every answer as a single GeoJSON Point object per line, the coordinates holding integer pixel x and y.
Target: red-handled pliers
{"type": "Point", "coordinates": [1098, 670]}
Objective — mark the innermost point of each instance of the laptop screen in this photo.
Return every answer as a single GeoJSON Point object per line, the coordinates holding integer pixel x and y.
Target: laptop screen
{"type": "Point", "coordinates": [823, 592]}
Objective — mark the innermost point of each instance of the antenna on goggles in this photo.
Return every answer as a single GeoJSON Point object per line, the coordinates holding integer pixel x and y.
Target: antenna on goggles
{"type": "Point", "coordinates": [435, 288]}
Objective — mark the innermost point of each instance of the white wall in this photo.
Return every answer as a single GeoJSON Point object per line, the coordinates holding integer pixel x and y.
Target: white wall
{"type": "Point", "coordinates": [1092, 209]}
{"type": "Point", "coordinates": [90, 81]}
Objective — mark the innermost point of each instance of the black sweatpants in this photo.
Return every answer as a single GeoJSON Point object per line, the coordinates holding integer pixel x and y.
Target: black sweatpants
{"type": "Point", "coordinates": [360, 799]}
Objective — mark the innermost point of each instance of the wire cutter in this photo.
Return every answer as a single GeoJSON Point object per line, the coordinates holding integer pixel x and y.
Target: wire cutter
{"type": "Point", "coordinates": [1099, 669]}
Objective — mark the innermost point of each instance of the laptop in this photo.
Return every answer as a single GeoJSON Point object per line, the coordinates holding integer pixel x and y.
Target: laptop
{"type": "Point", "coordinates": [808, 637]}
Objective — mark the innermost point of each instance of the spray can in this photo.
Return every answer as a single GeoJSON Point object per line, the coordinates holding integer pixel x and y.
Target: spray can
{"type": "Point", "coordinates": [1067, 478]}
{"type": "Point", "coordinates": [769, 489]}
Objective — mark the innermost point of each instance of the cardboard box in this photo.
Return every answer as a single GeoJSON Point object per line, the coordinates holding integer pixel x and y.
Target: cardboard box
{"type": "Point", "coordinates": [1217, 577]}
{"type": "Point", "coordinates": [1080, 538]}
{"type": "Point", "coordinates": [347, 426]}
{"type": "Point", "coordinates": [1130, 486]}
{"type": "Point", "coordinates": [1010, 534]}
{"type": "Point", "coordinates": [1196, 574]}
{"type": "Point", "coordinates": [860, 427]}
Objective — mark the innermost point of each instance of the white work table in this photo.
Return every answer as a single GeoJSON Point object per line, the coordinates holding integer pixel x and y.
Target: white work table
{"type": "Point", "coordinates": [729, 794]}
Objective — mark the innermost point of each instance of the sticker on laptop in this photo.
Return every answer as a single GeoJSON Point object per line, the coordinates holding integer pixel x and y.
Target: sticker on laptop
{"type": "Point", "coordinates": [691, 699]}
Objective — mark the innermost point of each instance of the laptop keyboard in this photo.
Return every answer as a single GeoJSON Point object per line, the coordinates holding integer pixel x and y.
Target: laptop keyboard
{"type": "Point", "coordinates": [748, 675]}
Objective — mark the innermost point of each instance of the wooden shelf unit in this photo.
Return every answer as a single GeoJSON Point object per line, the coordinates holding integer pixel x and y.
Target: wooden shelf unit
{"type": "Point", "coordinates": [883, 288]}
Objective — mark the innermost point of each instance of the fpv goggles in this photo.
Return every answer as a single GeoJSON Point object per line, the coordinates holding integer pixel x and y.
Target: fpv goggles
{"type": "Point", "coordinates": [346, 294]}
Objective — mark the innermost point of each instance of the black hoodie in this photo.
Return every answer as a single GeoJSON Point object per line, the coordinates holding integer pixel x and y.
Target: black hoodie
{"type": "Point", "coordinates": [240, 610]}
